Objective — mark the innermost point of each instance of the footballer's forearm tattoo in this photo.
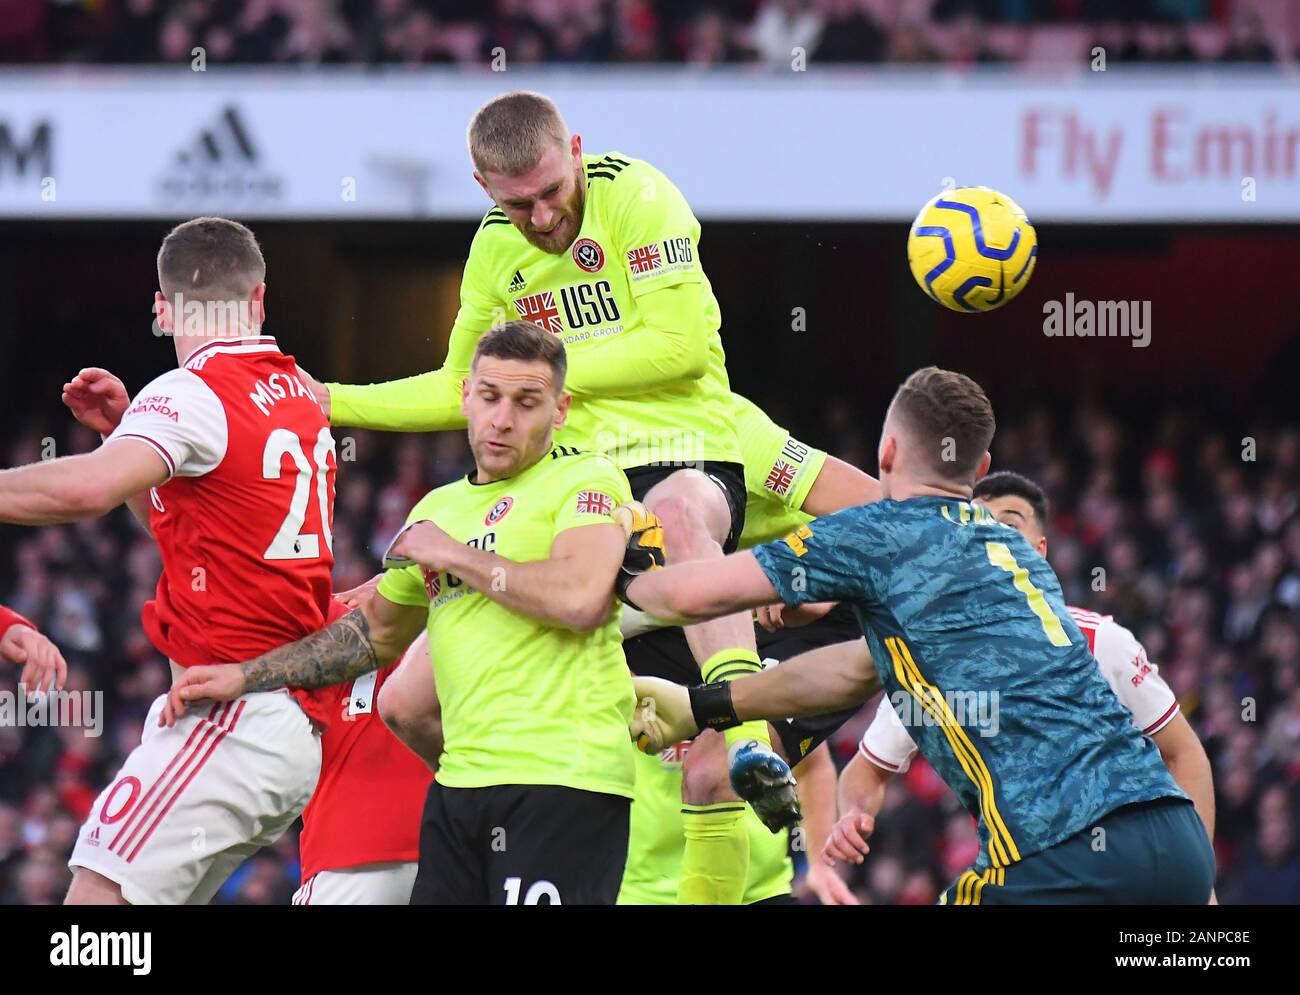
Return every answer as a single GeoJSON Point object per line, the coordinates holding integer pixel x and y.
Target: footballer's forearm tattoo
{"type": "Point", "coordinates": [342, 651]}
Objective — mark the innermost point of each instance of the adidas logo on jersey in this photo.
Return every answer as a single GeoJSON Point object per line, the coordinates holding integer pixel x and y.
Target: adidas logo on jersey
{"type": "Point", "coordinates": [518, 283]}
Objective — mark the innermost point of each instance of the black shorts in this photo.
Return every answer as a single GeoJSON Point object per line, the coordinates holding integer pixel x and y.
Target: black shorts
{"type": "Point", "coordinates": [665, 653]}
{"type": "Point", "coordinates": [728, 476]}
{"type": "Point", "coordinates": [521, 844]}
{"type": "Point", "coordinates": [786, 899]}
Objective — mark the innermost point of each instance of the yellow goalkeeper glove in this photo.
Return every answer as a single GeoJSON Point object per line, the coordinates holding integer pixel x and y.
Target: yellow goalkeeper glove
{"type": "Point", "coordinates": [645, 544]}
{"type": "Point", "coordinates": [667, 713]}
{"type": "Point", "coordinates": [663, 714]}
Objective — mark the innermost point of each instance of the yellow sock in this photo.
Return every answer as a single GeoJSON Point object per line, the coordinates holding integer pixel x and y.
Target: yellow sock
{"type": "Point", "coordinates": [715, 860]}
{"type": "Point", "coordinates": [727, 665]}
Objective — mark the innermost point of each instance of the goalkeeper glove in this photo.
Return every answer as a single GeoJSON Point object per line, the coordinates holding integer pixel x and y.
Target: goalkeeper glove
{"type": "Point", "coordinates": [667, 713]}
{"type": "Point", "coordinates": [645, 545]}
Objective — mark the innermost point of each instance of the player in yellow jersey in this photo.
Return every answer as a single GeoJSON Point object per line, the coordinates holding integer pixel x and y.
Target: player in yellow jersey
{"type": "Point", "coordinates": [785, 480]}
{"type": "Point", "coordinates": [603, 251]}
{"type": "Point", "coordinates": [514, 583]}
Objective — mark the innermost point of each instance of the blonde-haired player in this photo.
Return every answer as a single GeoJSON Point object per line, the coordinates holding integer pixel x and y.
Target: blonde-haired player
{"type": "Point", "coordinates": [603, 251]}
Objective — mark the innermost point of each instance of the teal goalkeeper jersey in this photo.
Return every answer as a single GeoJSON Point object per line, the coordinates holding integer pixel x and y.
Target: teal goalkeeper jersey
{"type": "Point", "coordinates": [983, 662]}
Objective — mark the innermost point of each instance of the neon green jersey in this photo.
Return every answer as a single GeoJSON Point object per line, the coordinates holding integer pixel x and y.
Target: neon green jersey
{"type": "Point", "coordinates": [524, 702]}
{"type": "Point", "coordinates": [657, 839]}
{"type": "Point", "coordinates": [631, 302]}
{"type": "Point", "coordinates": [779, 473]}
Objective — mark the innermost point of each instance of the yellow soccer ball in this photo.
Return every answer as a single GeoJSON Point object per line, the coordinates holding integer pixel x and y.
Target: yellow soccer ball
{"type": "Point", "coordinates": [972, 249]}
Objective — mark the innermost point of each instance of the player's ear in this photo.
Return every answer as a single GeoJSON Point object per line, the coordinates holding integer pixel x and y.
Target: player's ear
{"type": "Point", "coordinates": [257, 307]}
{"type": "Point", "coordinates": [888, 453]}
{"type": "Point", "coordinates": [478, 178]}
{"type": "Point", "coordinates": [561, 411]}
{"type": "Point", "coordinates": [164, 321]}
{"type": "Point", "coordinates": [575, 148]}
{"type": "Point", "coordinates": [983, 468]}
{"type": "Point", "coordinates": [464, 397]}
{"type": "Point", "coordinates": [1041, 546]}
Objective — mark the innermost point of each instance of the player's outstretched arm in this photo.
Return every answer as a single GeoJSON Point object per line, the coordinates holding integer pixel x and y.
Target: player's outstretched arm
{"type": "Point", "coordinates": [840, 485]}
{"type": "Point", "coordinates": [44, 668]}
{"type": "Point", "coordinates": [826, 679]}
{"type": "Point", "coordinates": [1185, 757]}
{"type": "Point", "coordinates": [427, 402]}
{"type": "Point", "coordinates": [572, 588]}
{"type": "Point", "coordinates": [98, 400]}
{"type": "Point", "coordinates": [861, 794]}
{"type": "Point", "coordinates": [365, 639]}
{"type": "Point", "coordinates": [670, 347]}
{"type": "Point", "coordinates": [698, 591]}
{"type": "Point", "coordinates": [75, 487]}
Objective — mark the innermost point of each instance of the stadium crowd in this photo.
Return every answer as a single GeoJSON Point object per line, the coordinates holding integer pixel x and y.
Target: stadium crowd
{"type": "Point", "coordinates": [756, 32]}
{"type": "Point", "coordinates": [1188, 537]}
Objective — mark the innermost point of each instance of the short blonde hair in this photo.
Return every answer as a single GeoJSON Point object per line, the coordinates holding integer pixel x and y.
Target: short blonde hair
{"type": "Point", "coordinates": [510, 133]}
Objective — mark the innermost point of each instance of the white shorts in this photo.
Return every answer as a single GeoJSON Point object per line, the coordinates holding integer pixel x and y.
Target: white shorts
{"type": "Point", "coordinates": [369, 884]}
{"type": "Point", "coordinates": [195, 801]}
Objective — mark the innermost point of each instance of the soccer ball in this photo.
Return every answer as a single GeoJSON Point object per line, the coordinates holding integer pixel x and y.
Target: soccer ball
{"type": "Point", "coordinates": [972, 249]}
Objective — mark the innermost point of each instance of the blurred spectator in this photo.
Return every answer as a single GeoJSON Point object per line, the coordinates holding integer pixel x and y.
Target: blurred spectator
{"type": "Point", "coordinates": [907, 44]}
{"type": "Point", "coordinates": [1246, 41]}
{"type": "Point", "coordinates": [316, 34]}
{"type": "Point", "coordinates": [969, 44]}
{"type": "Point", "coordinates": [134, 35]}
{"type": "Point", "coordinates": [1270, 871]}
{"type": "Point", "coordinates": [260, 31]}
{"type": "Point", "coordinates": [781, 27]}
{"type": "Point", "coordinates": [380, 30]}
{"type": "Point", "coordinates": [414, 39]}
{"type": "Point", "coordinates": [583, 39]}
{"type": "Point", "coordinates": [709, 41]}
{"type": "Point", "coordinates": [636, 31]}
{"type": "Point", "coordinates": [514, 31]}
{"type": "Point", "coordinates": [580, 31]}
{"type": "Point", "coordinates": [175, 40]}
{"type": "Point", "coordinates": [848, 34]}
{"type": "Point", "coordinates": [1170, 44]}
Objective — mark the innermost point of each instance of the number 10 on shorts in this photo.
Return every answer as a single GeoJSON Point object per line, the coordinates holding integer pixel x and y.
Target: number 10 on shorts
{"type": "Point", "coordinates": [536, 892]}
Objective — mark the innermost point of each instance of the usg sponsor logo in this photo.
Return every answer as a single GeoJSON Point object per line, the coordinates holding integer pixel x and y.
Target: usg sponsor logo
{"type": "Point", "coordinates": [222, 164]}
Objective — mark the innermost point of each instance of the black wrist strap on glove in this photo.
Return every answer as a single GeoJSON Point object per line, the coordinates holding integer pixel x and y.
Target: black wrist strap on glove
{"type": "Point", "coordinates": [711, 705]}
{"type": "Point", "coordinates": [621, 580]}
